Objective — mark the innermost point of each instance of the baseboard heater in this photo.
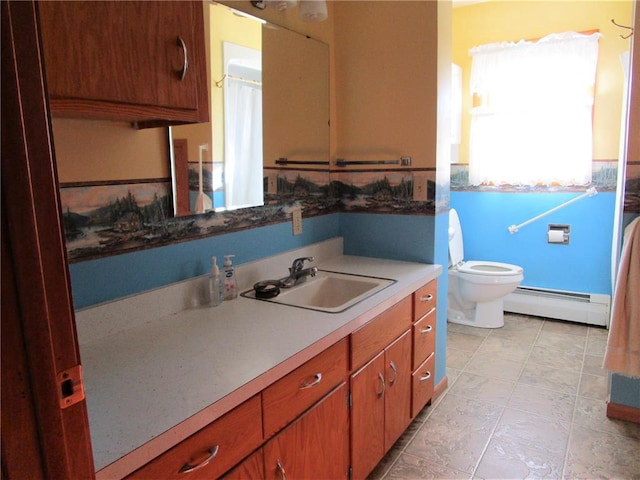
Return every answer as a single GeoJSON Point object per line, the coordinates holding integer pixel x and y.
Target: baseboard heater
{"type": "Point", "coordinates": [588, 308]}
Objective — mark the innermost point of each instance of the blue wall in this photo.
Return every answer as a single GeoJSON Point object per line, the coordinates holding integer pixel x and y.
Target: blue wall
{"type": "Point", "coordinates": [582, 266]}
{"type": "Point", "coordinates": [108, 278]}
{"type": "Point", "coordinates": [415, 238]}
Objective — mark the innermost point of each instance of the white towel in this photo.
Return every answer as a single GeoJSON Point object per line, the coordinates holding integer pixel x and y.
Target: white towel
{"type": "Point", "coordinates": [623, 345]}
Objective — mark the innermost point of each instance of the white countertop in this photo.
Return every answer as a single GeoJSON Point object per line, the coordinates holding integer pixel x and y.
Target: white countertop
{"type": "Point", "coordinates": [154, 384]}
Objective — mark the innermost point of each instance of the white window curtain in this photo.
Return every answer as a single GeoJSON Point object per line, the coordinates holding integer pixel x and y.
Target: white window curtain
{"type": "Point", "coordinates": [243, 144]}
{"type": "Point", "coordinates": [534, 122]}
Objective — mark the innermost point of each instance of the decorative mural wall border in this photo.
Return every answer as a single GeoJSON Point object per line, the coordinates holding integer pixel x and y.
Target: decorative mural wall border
{"type": "Point", "coordinates": [604, 178]}
{"type": "Point", "coordinates": [110, 218]}
{"type": "Point", "coordinates": [632, 188]}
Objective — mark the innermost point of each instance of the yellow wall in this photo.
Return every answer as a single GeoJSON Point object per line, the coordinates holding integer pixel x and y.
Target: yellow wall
{"type": "Point", "coordinates": [386, 73]}
{"type": "Point", "coordinates": [497, 21]}
{"type": "Point", "coordinates": [97, 150]}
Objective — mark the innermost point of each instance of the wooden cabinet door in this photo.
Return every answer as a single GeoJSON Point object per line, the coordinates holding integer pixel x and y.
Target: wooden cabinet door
{"type": "Point", "coordinates": [126, 54]}
{"type": "Point", "coordinates": [316, 446]}
{"type": "Point", "coordinates": [368, 387]}
{"type": "Point", "coordinates": [397, 410]}
{"type": "Point", "coordinates": [251, 468]}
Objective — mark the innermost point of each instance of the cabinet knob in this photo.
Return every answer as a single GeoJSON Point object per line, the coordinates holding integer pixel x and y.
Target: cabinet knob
{"type": "Point", "coordinates": [383, 384]}
{"type": "Point", "coordinates": [426, 376]}
{"type": "Point", "coordinates": [317, 378]}
{"type": "Point", "coordinates": [187, 467]}
{"type": "Point", "coordinates": [185, 62]}
{"type": "Point", "coordinates": [427, 329]}
{"type": "Point", "coordinates": [426, 298]}
{"type": "Point", "coordinates": [395, 373]}
{"type": "Point", "coordinates": [280, 469]}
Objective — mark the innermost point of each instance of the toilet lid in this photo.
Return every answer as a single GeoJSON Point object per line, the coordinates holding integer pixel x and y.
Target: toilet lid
{"type": "Point", "coordinates": [489, 268]}
{"type": "Point", "coordinates": [456, 246]}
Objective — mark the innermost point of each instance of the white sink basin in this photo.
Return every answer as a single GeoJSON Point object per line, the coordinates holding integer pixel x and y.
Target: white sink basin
{"type": "Point", "coordinates": [331, 292]}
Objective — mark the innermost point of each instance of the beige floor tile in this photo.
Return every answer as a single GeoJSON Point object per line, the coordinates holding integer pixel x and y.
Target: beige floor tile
{"type": "Point", "coordinates": [596, 345]}
{"type": "Point", "coordinates": [456, 433]}
{"type": "Point", "coordinates": [519, 325]}
{"type": "Point", "coordinates": [546, 357]}
{"type": "Point", "coordinates": [558, 326]}
{"type": "Point", "coordinates": [457, 358]}
{"type": "Point", "coordinates": [594, 454]}
{"type": "Point", "coordinates": [525, 446]}
{"type": "Point", "coordinates": [506, 459]}
{"type": "Point", "coordinates": [558, 380]}
{"type": "Point", "coordinates": [483, 388]}
{"type": "Point", "coordinates": [410, 467]}
{"type": "Point", "coordinates": [452, 374]}
{"type": "Point", "coordinates": [598, 332]}
{"type": "Point", "coordinates": [563, 342]}
{"type": "Point", "coordinates": [591, 414]}
{"type": "Point", "coordinates": [490, 366]}
{"type": "Point", "coordinates": [549, 375]}
{"type": "Point", "coordinates": [463, 341]}
{"type": "Point", "coordinates": [593, 386]}
{"type": "Point", "coordinates": [509, 348]}
{"type": "Point", "coordinates": [477, 332]}
{"type": "Point", "coordinates": [592, 365]}
{"type": "Point", "coordinates": [553, 405]}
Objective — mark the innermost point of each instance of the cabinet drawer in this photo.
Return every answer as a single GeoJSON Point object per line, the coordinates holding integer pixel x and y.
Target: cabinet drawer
{"type": "Point", "coordinates": [294, 393]}
{"type": "Point", "coordinates": [424, 338]}
{"type": "Point", "coordinates": [234, 436]}
{"type": "Point", "coordinates": [425, 299]}
{"type": "Point", "coordinates": [422, 381]}
{"type": "Point", "coordinates": [373, 337]}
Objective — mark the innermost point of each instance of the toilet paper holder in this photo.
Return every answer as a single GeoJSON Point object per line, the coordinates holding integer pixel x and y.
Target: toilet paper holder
{"type": "Point", "coordinates": [558, 234]}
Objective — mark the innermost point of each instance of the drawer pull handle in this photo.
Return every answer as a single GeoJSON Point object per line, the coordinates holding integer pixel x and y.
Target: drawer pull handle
{"type": "Point", "coordinates": [280, 468]}
{"type": "Point", "coordinates": [426, 298]}
{"type": "Point", "coordinates": [384, 385]}
{"type": "Point", "coordinates": [317, 379]}
{"type": "Point", "coordinates": [187, 467]}
{"type": "Point", "coordinates": [185, 63]}
{"type": "Point", "coordinates": [426, 377]}
{"type": "Point", "coordinates": [395, 373]}
{"type": "Point", "coordinates": [427, 329]}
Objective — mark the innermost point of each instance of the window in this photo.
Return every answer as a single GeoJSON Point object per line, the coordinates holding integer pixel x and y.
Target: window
{"type": "Point", "coordinates": [531, 123]}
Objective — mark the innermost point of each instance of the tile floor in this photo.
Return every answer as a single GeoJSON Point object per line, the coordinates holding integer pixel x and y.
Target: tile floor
{"type": "Point", "coordinates": [523, 401]}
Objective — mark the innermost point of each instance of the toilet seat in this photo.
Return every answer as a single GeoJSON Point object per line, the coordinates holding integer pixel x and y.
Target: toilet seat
{"type": "Point", "coordinates": [497, 269]}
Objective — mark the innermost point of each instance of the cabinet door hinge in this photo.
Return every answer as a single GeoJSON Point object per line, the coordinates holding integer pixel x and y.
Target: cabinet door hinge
{"type": "Point", "coordinates": [349, 399]}
{"type": "Point", "coordinates": [70, 386]}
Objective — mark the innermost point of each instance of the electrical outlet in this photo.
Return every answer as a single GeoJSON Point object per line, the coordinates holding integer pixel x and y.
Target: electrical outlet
{"type": "Point", "coordinates": [420, 188]}
{"type": "Point", "coordinates": [296, 220]}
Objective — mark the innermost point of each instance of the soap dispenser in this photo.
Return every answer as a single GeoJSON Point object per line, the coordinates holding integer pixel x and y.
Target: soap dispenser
{"type": "Point", "coordinates": [216, 292]}
{"type": "Point", "coordinates": [229, 279]}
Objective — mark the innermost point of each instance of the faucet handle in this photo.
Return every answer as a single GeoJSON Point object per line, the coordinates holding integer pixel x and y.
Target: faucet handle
{"type": "Point", "coordinates": [299, 262]}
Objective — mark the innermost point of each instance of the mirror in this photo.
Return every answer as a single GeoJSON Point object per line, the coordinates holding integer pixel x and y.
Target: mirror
{"type": "Point", "coordinates": [269, 109]}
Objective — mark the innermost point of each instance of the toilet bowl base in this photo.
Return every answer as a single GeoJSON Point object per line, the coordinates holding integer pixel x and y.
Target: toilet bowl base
{"type": "Point", "coordinates": [484, 315]}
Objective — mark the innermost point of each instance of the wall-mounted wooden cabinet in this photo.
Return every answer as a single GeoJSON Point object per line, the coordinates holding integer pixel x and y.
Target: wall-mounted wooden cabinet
{"type": "Point", "coordinates": [126, 60]}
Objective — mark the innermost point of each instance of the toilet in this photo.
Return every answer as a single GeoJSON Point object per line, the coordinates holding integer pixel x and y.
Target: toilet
{"type": "Point", "coordinates": [476, 288]}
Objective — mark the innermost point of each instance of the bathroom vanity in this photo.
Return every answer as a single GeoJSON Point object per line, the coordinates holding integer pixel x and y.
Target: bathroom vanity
{"type": "Point", "coordinates": [255, 389]}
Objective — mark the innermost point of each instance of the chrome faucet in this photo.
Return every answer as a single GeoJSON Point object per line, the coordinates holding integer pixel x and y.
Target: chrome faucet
{"type": "Point", "coordinates": [298, 274]}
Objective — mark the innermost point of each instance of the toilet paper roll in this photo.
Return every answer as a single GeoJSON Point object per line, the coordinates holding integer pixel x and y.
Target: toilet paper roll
{"type": "Point", "coordinates": [555, 236]}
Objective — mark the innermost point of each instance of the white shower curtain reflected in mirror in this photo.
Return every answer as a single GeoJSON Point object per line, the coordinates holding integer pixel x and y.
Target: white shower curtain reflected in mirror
{"type": "Point", "coordinates": [243, 181]}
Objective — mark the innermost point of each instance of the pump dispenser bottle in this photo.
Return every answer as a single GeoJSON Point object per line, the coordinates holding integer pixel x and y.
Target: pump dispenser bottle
{"type": "Point", "coordinates": [216, 294]}
{"type": "Point", "coordinates": [229, 281]}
